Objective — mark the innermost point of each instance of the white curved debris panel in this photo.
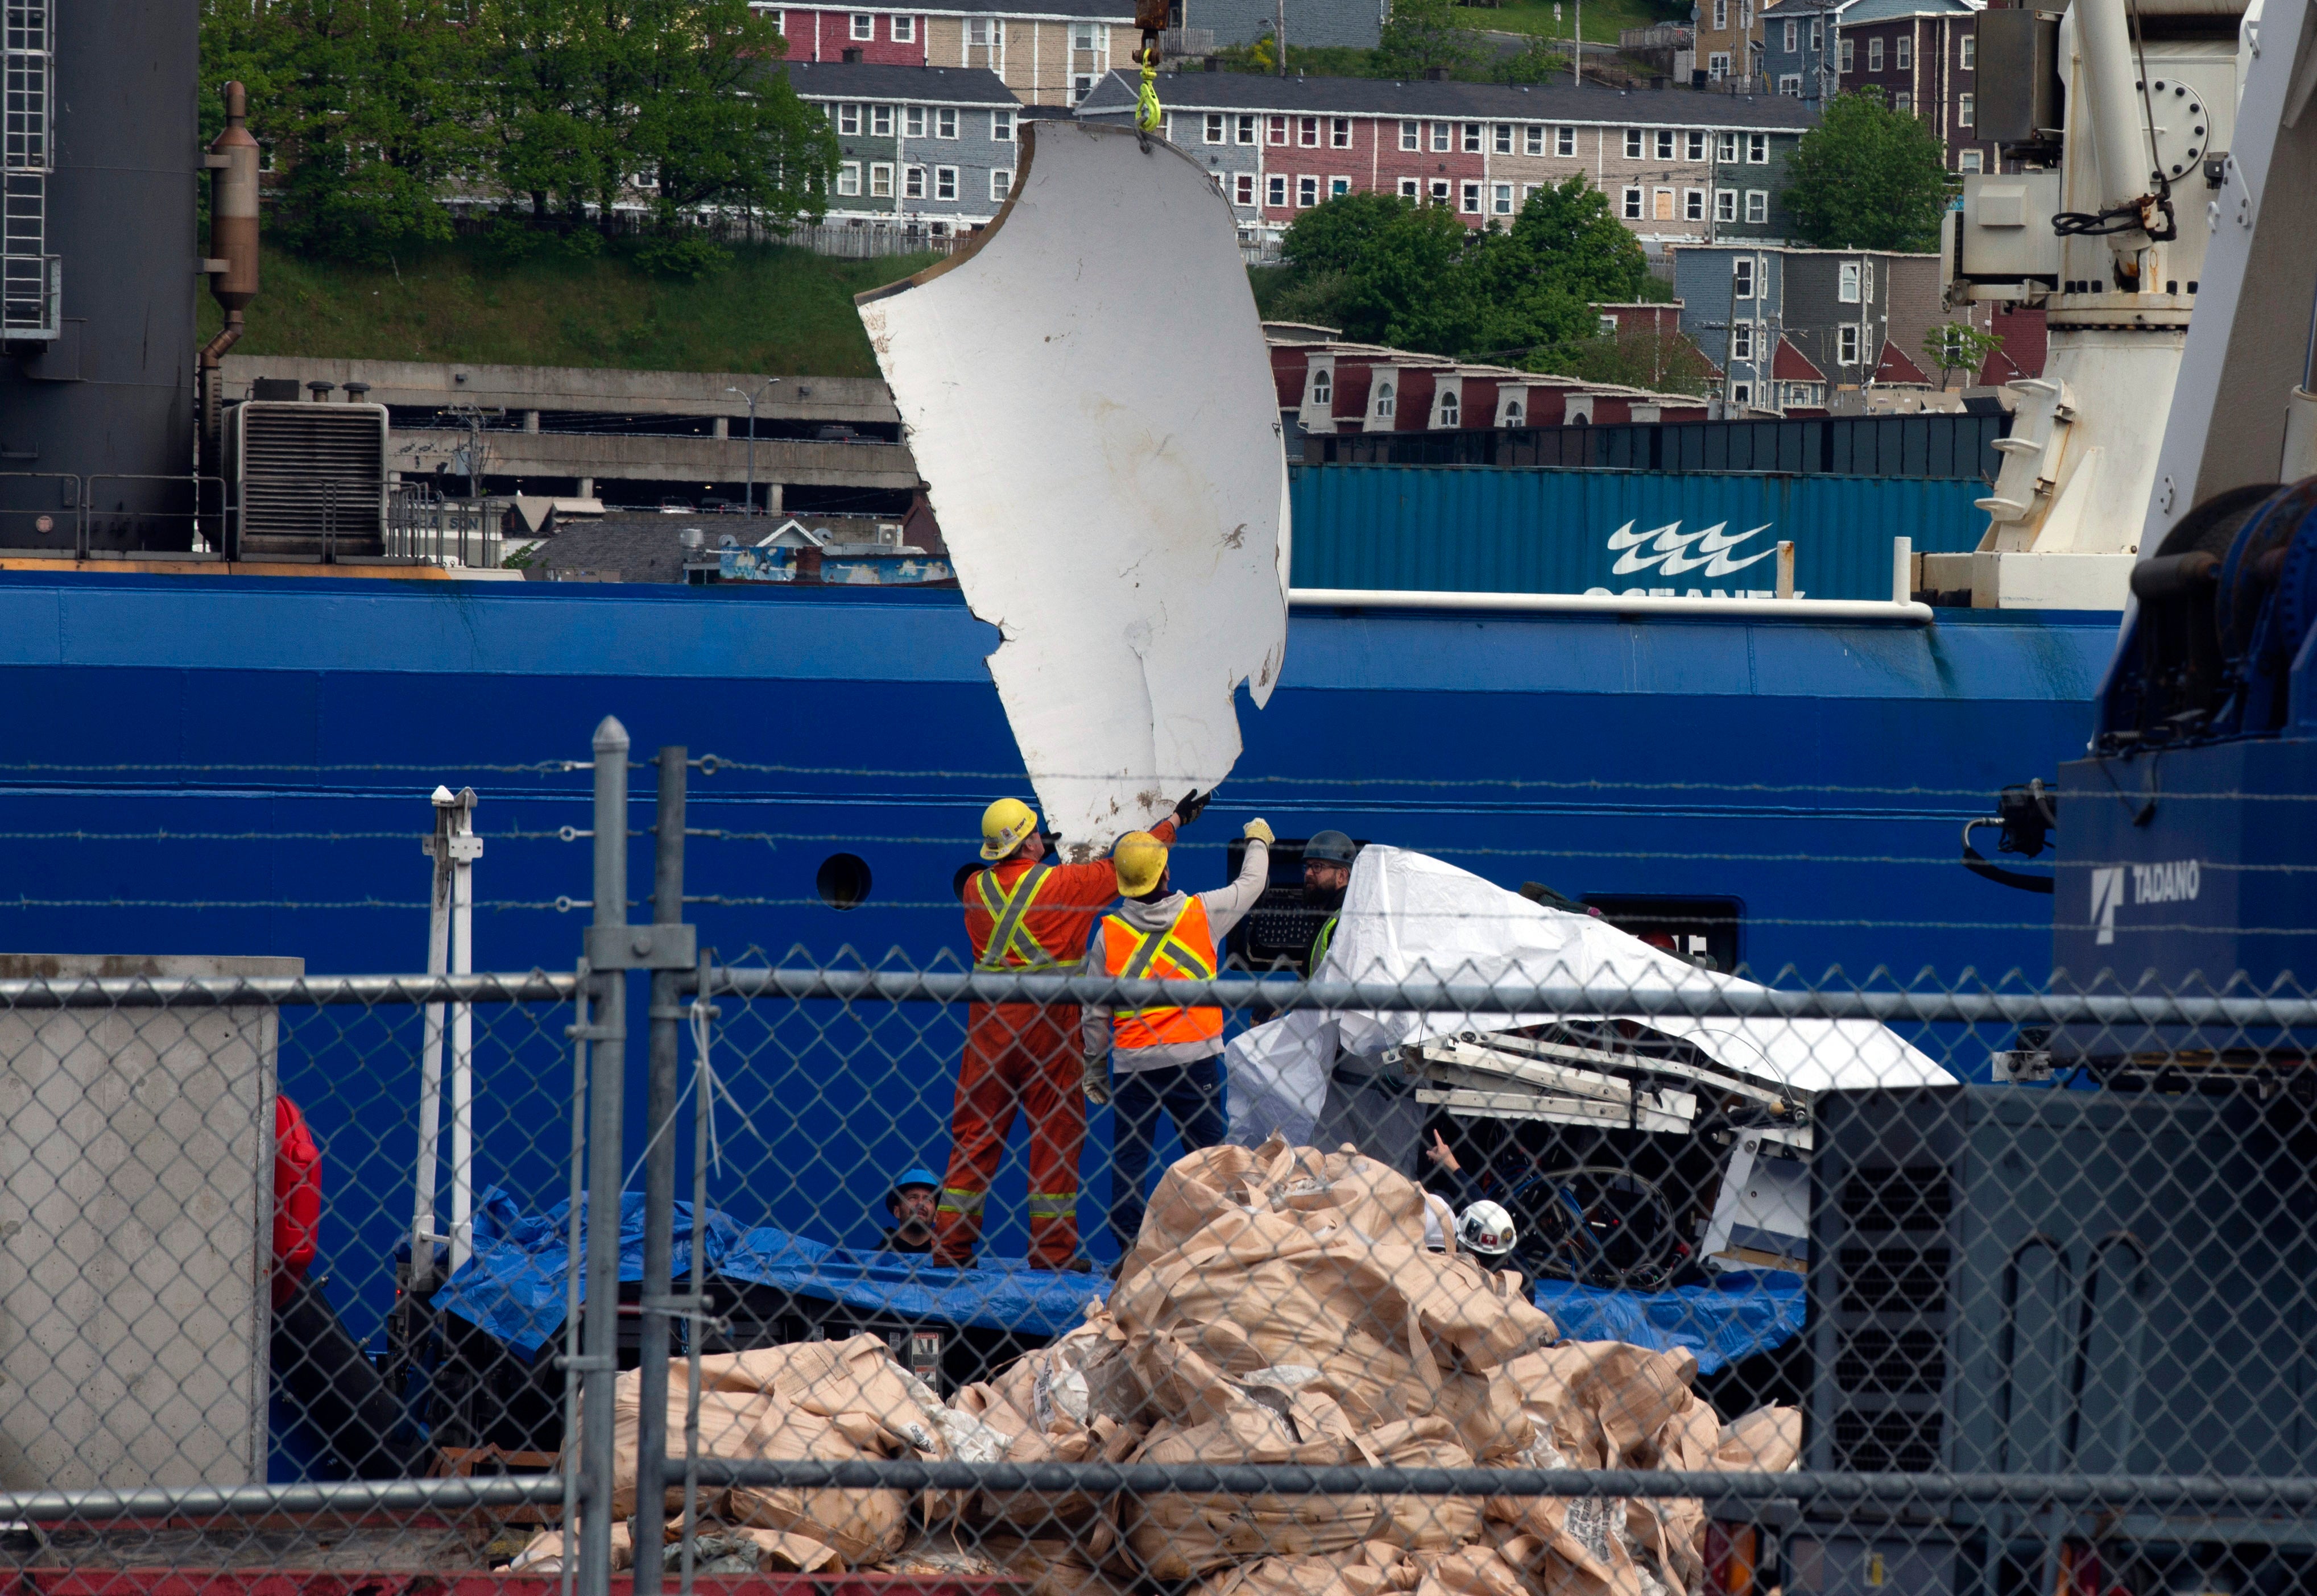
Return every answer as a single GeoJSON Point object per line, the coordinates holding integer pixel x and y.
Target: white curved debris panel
{"type": "Point", "coordinates": [1090, 402]}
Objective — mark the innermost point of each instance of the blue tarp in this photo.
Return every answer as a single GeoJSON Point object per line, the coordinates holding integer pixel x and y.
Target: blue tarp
{"type": "Point", "coordinates": [1733, 1316]}
{"type": "Point", "coordinates": [1003, 1294]}
{"type": "Point", "coordinates": [513, 1286]}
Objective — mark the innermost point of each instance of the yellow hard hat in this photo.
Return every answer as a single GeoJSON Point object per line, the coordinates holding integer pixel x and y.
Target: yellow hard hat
{"type": "Point", "coordinates": [1004, 824]}
{"type": "Point", "coordinates": [1141, 860]}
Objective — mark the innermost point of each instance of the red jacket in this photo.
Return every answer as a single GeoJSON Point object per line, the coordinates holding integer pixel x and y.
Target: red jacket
{"type": "Point", "coordinates": [297, 1197]}
{"type": "Point", "coordinates": [1062, 919]}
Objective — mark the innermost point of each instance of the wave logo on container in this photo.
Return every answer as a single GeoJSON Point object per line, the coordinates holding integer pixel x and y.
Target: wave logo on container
{"type": "Point", "coordinates": [1674, 552]}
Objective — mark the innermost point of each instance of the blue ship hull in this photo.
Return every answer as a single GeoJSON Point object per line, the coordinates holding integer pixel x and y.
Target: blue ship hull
{"type": "Point", "coordinates": [284, 736]}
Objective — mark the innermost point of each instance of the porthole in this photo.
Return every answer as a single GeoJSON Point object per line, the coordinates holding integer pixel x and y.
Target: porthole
{"type": "Point", "coordinates": [843, 880]}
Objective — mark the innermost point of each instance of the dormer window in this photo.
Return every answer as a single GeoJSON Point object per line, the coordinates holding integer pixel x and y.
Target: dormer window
{"type": "Point", "coordinates": [1383, 399]}
{"type": "Point", "coordinates": [1323, 387]}
{"type": "Point", "coordinates": [1513, 413]}
{"type": "Point", "coordinates": [1449, 412]}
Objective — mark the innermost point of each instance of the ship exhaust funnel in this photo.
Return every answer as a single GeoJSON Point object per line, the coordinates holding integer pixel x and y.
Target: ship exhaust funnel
{"type": "Point", "coordinates": [232, 162]}
{"type": "Point", "coordinates": [1087, 394]}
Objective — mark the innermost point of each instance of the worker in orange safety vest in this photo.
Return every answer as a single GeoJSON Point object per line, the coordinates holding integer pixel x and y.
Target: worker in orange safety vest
{"type": "Point", "coordinates": [1165, 1059]}
{"type": "Point", "coordinates": [1023, 913]}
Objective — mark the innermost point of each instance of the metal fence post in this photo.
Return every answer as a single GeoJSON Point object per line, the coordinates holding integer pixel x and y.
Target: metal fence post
{"type": "Point", "coordinates": [666, 1017]}
{"type": "Point", "coordinates": [602, 1326]}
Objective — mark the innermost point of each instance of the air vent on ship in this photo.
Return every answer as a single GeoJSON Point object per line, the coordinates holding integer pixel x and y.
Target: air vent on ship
{"type": "Point", "coordinates": [308, 480]}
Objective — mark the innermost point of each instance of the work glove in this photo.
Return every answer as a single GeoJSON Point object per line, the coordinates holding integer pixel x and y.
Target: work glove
{"type": "Point", "coordinates": [1258, 831]}
{"type": "Point", "coordinates": [1094, 1077]}
{"type": "Point", "coordinates": [1193, 804]}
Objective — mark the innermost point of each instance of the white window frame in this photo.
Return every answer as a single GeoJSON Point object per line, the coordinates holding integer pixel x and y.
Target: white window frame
{"type": "Point", "coordinates": [1001, 184]}
{"type": "Point", "coordinates": [1247, 130]}
{"type": "Point", "coordinates": [1904, 101]}
{"type": "Point", "coordinates": [1757, 208]}
{"type": "Point", "coordinates": [945, 122]}
{"type": "Point", "coordinates": [985, 33]}
{"type": "Point", "coordinates": [1630, 209]}
{"type": "Point", "coordinates": [1528, 192]}
{"type": "Point", "coordinates": [1449, 405]}
{"type": "Point", "coordinates": [1564, 142]}
{"type": "Point", "coordinates": [1500, 199]}
{"type": "Point", "coordinates": [1665, 144]}
{"type": "Point", "coordinates": [1848, 52]}
{"type": "Point", "coordinates": [1693, 205]}
{"type": "Point", "coordinates": [1085, 37]}
{"type": "Point", "coordinates": [1817, 35]}
{"type": "Point", "coordinates": [1793, 36]}
{"type": "Point", "coordinates": [848, 121]}
{"type": "Point", "coordinates": [1741, 341]}
{"type": "Point", "coordinates": [1323, 387]}
{"type": "Point", "coordinates": [1476, 138]}
{"type": "Point", "coordinates": [848, 179]}
{"type": "Point", "coordinates": [1605, 326]}
{"type": "Point", "coordinates": [1081, 86]}
{"type": "Point", "coordinates": [1387, 399]}
{"type": "Point", "coordinates": [1337, 187]}
{"type": "Point", "coordinates": [1758, 149]}
{"type": "Point", "coordinates": [913, 183]}
{"type": "Point", "coordinates": [1967, 57]}
{"type": "Point", "coordinates": [1633, 144]}
{"type": "Point", "coordinates": [1001, 127]}
{"type": "Point", "coordinates": [1442, 193]}
{"type": "Point", "coordinates": [865, 26]}
{"type": "Point", "coordinates": [1966, 110]}
{"type": "Point", "coordinates": [1875, 55]}
{"type": "Point", "coordinates": [1307, 132]}
{"type": "Point", "coordinates": [1306, 192]}
{"type": "Point", "coordinates": [1443, 135]}
{"type": "Point", "coordinates": [1243, 190]}
{"type": "Point", "coordinates": [1693, 145]}
{"type": "Point", "coordinates": [1217, 128]}
{"type": "Point", "coordinates": [913, 121]}
{"type": "Point", "coordinates": [1725, 147]}
{"type": "Point", "coordinates": [1470, 198]}
{"type": "Point", "coordinates": [881, 121]}
{"type": "Point", "coordinates": [1789, 85]}
{"type": "Point", "coordinates": [1500, 139]}
{"type": "Point", "coordinates": [1845, 344]}
{"type": "Point", "coordinates": [1722, 16]}
{"type": "Point", "coordinates": [1847, 282]}
{"type": "Point", "coordinates": [1411, 190]}
{"type": "Point", "coordinates": [1532, 139]}
{"type": "Point", "coordinates": [1970, 160]}
{"type": "Point", "coordinates": [904, 30]}
{"type": "Point", "coordinates": [1339, 132]}
{"type": "Point", "coordinates": [1276, 132]}
{"type": "Point", "coordinates": [1741, 278]}
{"type": "Point", "coordinates": [945, 184]}
{"type": "Point", "coordinates": [1275, 191]}
{"type": "Point", "coordinates": [1741, 393]}
{"type": "Point", "coordinates": [1725, 205]}
{"type": "Point", "coordinates": [1903, 53]}
{"type": "Point", "coordinates": [1411, 134]}
{"type": "Point", "coordinates": [1717, 66]}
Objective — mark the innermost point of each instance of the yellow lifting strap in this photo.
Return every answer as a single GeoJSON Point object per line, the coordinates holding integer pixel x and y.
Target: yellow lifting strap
{"type": "Point", "coordinates": [1147, 113]}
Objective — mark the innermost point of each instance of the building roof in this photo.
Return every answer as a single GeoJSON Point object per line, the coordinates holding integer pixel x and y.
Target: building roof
{"type": "Point", "coordinates": [1778, 8]}
{"type": "Point", "coordinates": [1789, 364]}
{"type": "Point", "coordinates": [1105, 11]}
{"type": "Point", "coordinates": [1895, 367]}
{"type": "Point", "coordinates": [1365, 96]}
{"type": "Point", "coordinates": [1861, 12]}
{"type": "Point", "coordinates": [869, 80]}
{"type": "Point", "coordinates": [1742, 248]}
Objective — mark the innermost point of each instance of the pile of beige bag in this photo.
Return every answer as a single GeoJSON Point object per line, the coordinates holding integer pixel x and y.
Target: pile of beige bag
{"type": "Point", "coordinates": [1279, 1307]}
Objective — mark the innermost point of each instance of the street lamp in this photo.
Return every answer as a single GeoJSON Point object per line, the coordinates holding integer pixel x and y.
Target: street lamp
{"type": "Point", "coordinates": [763, 389]}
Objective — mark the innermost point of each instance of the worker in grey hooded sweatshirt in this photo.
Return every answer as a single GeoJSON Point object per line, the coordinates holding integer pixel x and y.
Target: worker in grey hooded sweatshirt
{"type": "Point", "coordinates": [1163, 1058]}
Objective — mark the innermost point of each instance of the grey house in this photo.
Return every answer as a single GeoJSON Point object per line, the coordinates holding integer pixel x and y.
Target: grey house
{"type": "Point", "coordinates": [929, 149]}
{"type": "Point", "coordinates": [1790, 327]}
{"type": "Point", "coordinates": [1802, 49]}
{"type": "Point", "coordinates": [1357, 24]}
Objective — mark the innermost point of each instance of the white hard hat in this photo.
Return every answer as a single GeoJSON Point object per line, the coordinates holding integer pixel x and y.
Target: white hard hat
{"type": "Point", "coordinates": [1486, 1229]}
{"type": "Point", "coordinates": [1439, 1223]}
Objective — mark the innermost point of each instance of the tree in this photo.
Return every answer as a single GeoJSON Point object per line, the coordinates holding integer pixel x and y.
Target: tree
{"type": "Point", "coordinates": [1661, 360]}
{"type": "Point", "coordinates": [1576, 241]}
{"type": "Point", "coordinates": [1868, 177]}
{"type": "Point", "coordinates": [1958, 346]}
{"type": "Point", "coordinates": [1335, 236]}
{"type": "Point", "coordinates": [368, 105]}
{"type": "Point", "coordinates": [1423, 35]}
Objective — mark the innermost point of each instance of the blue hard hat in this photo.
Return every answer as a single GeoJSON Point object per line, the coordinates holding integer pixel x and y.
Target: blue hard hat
{"type": "Point", "coordinates": [912, 1177]}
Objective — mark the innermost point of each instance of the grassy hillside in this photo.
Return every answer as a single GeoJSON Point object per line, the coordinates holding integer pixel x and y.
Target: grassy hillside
{"type": "Point", "coordinates": [774, 309]}
{"type": "Point", "coordinates": [1603, 18]}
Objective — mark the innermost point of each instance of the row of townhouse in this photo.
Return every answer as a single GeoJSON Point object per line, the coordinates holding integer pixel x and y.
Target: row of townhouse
{"type": "Point", "coordinates": [1328, 386]}
{"type": "Point", "coordinates": [1790, 327]}
{"type": "Point", "coordinates": [1679, 167]}
{"type": "Point", "coordinates": [1049, 52]}
{"type": "Point", "coordinates": [928, 149]}
{"type": "Point", "coordinates": [1923, 55]}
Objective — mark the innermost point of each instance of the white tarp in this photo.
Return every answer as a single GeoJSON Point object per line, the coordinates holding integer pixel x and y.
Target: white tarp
{"type": "Point", "coordinates": [1407, 917]}
{"type": "Point", "coordinates": [1089, 400]}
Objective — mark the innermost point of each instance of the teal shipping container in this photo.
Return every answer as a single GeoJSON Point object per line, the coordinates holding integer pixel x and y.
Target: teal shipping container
{"type": "Point", "coordinates": [1457, 528]}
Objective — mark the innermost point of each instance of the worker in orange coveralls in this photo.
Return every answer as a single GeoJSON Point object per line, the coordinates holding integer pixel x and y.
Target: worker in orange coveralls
{"type": "Point", "coordinates": [1022, 913]}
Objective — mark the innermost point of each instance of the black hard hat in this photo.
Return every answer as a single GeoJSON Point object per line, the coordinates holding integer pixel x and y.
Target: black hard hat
{"type": "Point", "coordinates": [1333, 846]}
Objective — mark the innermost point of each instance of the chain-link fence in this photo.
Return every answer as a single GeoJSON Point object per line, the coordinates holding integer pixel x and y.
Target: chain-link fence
{"type": "Point", "coordinates": [1494, 1251]}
